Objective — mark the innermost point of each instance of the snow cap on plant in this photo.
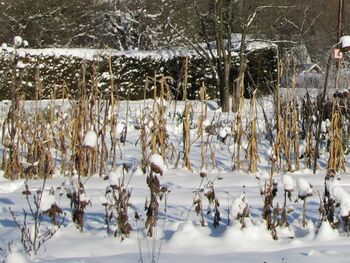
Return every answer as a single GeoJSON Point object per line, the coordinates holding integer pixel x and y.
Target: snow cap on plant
{"type": "Point", "coordinates": [304, 188]}
{"type": "Point", "coordinates": [90, 139]}
{"type": "Point", "coordinates": [157, 164]}
{"type": "Point", "coordinates": [3, 46]}
{"type": "Point", "coordinates": [17, 41]}
{"type": "Point", "coordinates": [288, 183]}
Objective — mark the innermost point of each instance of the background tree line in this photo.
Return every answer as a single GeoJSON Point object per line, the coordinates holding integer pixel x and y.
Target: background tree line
{"type": "Point", "coordinates": [153, 24]}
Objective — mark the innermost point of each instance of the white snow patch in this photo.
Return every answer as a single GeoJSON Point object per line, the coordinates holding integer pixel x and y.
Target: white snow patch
{"type": "Point", "coordinates": [238, 205]}
{"type": "Point", "coordinates": [326, 233]}
{"type": "Point", "coordinates": [304, 187]}
{"type": "Point", "coordinates": [15, 257]}
{"type": "Point", "coordinates": [288, 182]}
{"type": "Point", "coordinates": [157, 160]}
{"type": "Point", "coordinates": [47, 200]}
{"type": "Point", "coordinates": [9, 187]}
{"type": "Point", "coordinates": [90, 139]}
{"type": "Point", "coordinates": [17, 41]}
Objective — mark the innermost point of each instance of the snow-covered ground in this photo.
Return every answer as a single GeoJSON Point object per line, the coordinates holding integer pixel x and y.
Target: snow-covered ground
{"type": "Point", "coordinates": [179, 235]}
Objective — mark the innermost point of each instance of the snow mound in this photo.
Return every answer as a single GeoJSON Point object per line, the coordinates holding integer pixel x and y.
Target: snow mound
{"type": "Point", "coordinates": [15, 257]}
{"type": "Point", "coordinates": [9, 187]}
{"type": "Point", "coordinates": [245, 238]}
{"type": "Point", "coordinates": [188, 235]}
{"type": "Point", "coordinates": [326, 233]}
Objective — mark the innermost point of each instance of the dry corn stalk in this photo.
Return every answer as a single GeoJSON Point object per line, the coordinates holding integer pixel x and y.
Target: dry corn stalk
{"type": "Point", "coordinates": [201, 127]}
{"type": "Point", "coordinates": [144, 134]}
{"type": "Point", "coordinates": [11, 163]}
{"type": "Point", "coordinates": [252, 151]}
{"type": "Point", "coordinates": [295, 126]}
{"type": "Point", "coordinates": [336, 151]}
{"type": "Point", "coordinates": [159, 133]}
{"type": "Point", "coordinates": [280, 145]}
{"type": "Point", "coordinates": [113, 119]}
{"type": "Point", "coordinates": [287, 130]}
{"type": "Point", "coordinates": [239, 126]}
{"type": "Point", "coordinates": [186, 124]}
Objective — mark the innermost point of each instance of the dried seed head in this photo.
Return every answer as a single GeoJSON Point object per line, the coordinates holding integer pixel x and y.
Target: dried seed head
{"type": "Point", "coordinates": [330, 173]}
{"type": "Point", "coordinates": [156, 169]}
{"type": "Point", "coordinates": [26, 192]}
{"type": "Point", "coordinates": [202, 174]}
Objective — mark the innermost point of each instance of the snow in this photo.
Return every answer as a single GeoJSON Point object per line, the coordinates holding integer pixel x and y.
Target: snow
{"type": "Point", "coordinates": [180, 237]}
{"type": "Point", "coordinates": [15, 257]}
{"type": "Point", "coordinates": [9, 187]}
{"type": "Point", "coordinates": [237, 208]}
{"type": "Point", "coordinates": [345, 41]}
{"type": "Point", "coordinates": [90, 139]}
{"type": "Point", "coordinates": [162, 54]}
{"type": "Point", "coordinates": [115, 175]}
{"type": "Point", "coordinates": [288, 182]}
{"type": "Point", "coordinates": [17, 41]}
{"type": "Point", "coordinates": [304, 187]}
{"type": "Point", "coordinates": [326, 233]}
{"type": "Point", "coordinates": [345, 206]}
{"type": "Point", "coordinates": [47, 200]}
{"type": "Point", "coordinates": [158, 161]}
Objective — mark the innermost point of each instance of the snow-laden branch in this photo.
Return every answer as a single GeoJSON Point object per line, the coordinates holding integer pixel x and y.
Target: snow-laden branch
{"type": "Point", "coordinates": [252, 16]}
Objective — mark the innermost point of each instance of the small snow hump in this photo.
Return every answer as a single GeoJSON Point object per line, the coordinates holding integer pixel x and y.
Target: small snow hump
{"type": "Point", "coordinates": [15, 257]}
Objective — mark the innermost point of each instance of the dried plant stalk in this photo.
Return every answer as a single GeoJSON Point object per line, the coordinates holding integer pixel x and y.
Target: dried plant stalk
{"type": "Point", "coordinates": [281, 144]}
{"type": "Point", "coordinates": [252, 151]}
{"type": "Point", "coordinates": [113, 119]}
{"type": "Point", "coordinates": [295, 126]}
{"type": "Point", "coordinates": [186, 134]}
{"type": "Point", "coordinates": [336, 152]}
{"type": "Point", "coordinates": [159, 132]}
{"type": "Point", "coordinates": [11, 163]}
{"type": "Point", "coordinates": [287, 130]}
{"type": "Point", "coordinates": [239, 125]}
{"type": "Point", "coordinates": [201, 128]}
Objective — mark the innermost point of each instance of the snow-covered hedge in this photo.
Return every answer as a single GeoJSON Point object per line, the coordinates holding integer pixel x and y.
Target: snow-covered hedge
{"type": "Point", "coordinates": [64, 68]}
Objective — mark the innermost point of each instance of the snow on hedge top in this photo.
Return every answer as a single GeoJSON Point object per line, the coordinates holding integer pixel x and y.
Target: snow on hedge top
{"type": "Point", "coordinates": [161, 54]}
{"type": "Point", "coordinates": [91, 54]}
